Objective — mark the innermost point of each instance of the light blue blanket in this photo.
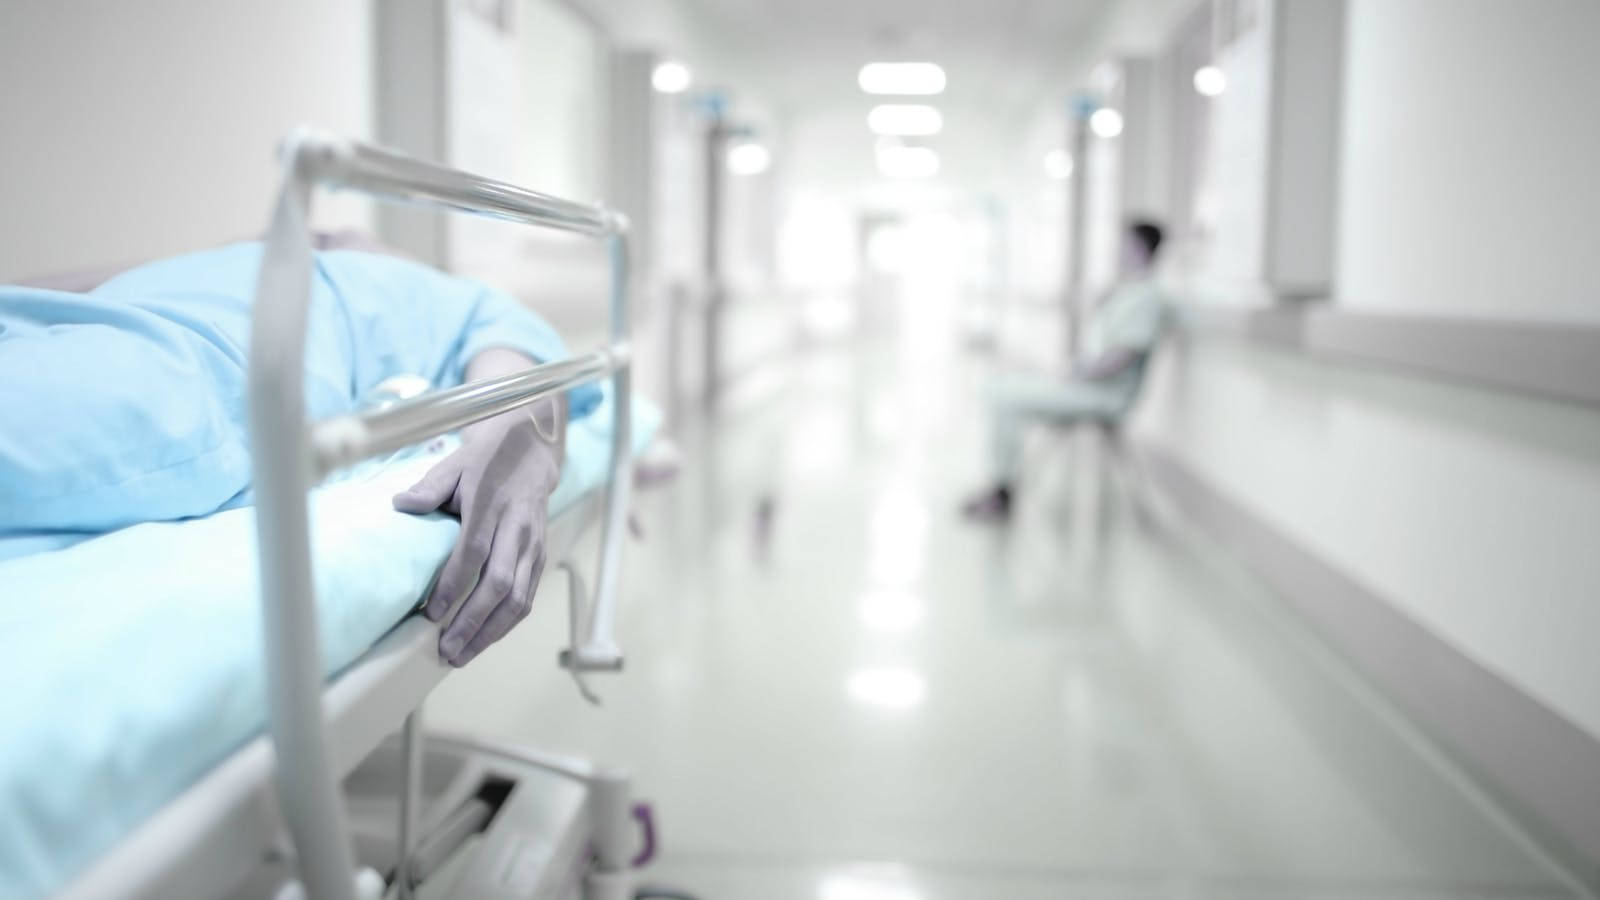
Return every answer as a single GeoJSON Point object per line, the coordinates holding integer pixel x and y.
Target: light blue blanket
{"type": "Point", "coordinates": [127, 404]}
{"type": "Point", "coordinates": [133, 660]}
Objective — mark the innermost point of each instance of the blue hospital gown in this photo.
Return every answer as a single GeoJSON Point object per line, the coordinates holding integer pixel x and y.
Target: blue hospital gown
{"type": "Point", "coordinates": [128, 403]}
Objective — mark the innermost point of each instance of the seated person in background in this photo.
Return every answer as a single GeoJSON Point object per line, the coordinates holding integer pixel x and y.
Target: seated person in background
{"type": "Point", "coordinates": [127, 404]}
{"type": "Point", "coordinates": [1122, 332]}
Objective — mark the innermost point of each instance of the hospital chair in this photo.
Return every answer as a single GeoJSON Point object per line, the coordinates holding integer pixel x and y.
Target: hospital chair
{"type": "Point", "coordinates": [1113, 432]}
{"type": "Point", "coordinates": [331, 802]}
{"type": "Point", "coordinates": [1119, 457]}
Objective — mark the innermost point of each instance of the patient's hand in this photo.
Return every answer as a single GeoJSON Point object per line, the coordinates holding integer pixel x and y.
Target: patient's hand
{"type": "Point", "coordinates": [499, 483]}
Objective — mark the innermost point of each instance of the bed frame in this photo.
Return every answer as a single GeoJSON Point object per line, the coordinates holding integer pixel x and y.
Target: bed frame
{"type": "Point", "coordinates": [210, 837]}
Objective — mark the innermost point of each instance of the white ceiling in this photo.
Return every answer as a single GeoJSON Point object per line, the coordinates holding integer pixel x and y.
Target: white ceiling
{"type": "Point", "coordinates": [798, 61]}
{"type": "Point", "coordinates": [803, 55]}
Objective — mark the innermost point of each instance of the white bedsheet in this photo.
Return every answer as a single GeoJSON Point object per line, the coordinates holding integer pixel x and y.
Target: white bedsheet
{"type": "Point", "coordinates": [133, 660]}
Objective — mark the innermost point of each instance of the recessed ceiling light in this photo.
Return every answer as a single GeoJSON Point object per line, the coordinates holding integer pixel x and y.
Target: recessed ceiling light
{"type": "Point", "coordinates": [1210, 81]}
{"type": "Point", "coordinates": [905, 119]}
{"type": "Point", "coordinates": [1106, 122]}
{"type": "Point", "coordinates": [908, 162]}
{"type": "Point", "coordinates": [670, 77]}
{"type": "Point", "coordinates": [748, 158]}
{"type": "Point", "coordinates": [1058, 164]}
{"type": "Point", "coordinates": [908, 78]}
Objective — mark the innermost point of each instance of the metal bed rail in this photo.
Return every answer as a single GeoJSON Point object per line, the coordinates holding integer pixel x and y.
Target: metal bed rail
{"type": "Point", "coordinates": [289, 455]}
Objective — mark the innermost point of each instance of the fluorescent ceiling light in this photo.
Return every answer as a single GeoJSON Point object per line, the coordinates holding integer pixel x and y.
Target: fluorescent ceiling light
{"type": "Point", "coordinates": [905, 119]}
{"type": "Point", "coordinates": [670, 77]}
{"type": "Point", "coordinates": [907, 78]}
{"type": "Point", "coordinates": [908, 162]}
{"type": "Point", "coordinates": [1058, 164]}
{"type": "Point", "coordinates": [748, 158]}
{"type": "Point", "coordinates": [1106, 122]}
{"type": "Point", "coordinates": [1210, 81]}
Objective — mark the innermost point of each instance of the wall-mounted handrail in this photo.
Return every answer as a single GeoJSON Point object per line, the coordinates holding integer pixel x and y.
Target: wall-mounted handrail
{"type": "Point", "coordinates": [289, 455]}
{"type": "Point", "coordinates": [1555, 360]}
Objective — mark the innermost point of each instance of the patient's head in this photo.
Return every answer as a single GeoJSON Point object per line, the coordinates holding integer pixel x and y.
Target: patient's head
{"type": "Point", "coordinates": [1141, 243]}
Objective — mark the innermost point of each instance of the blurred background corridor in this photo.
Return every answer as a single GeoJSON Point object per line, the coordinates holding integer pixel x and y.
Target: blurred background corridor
{"type": "Point", "coordinates": [1313, 614]}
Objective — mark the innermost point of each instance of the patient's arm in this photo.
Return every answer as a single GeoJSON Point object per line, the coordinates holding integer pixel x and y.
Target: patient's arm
{"type": "Point", "coordinates": [1107, 364]}
{"type": "Point", "coordinates": [499, 483]}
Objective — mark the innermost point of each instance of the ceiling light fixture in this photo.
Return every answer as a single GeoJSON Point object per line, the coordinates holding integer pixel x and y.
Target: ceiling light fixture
{"type": "Point", "coordinates": [923, 79]}
{"type": "Point", "coordinates": [748, 158]}
{"type": "Point", "coordinates": [1106, 122]}
{"type": "Point", "coordinates": [670, 77]}
{"type": "Point", "coordinates": [1058, 164]}
{"type": "Point", "coordinates": [905, 119]}
{"type": "Point", "coordinates": [1210, 81]}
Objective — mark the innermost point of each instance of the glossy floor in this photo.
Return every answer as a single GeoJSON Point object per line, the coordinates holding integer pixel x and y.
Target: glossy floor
{"type": "Point", "coordinates": [836, 690]}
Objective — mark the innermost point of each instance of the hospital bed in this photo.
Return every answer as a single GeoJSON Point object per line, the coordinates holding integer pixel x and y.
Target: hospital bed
{"type": "Point", "coordinates": [342, 784]}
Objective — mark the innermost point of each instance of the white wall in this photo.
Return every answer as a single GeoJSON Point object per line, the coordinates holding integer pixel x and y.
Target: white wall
{"type": "Point", "coordinates": [563, 102]}
{"type": "Point", "coordinates": [1468, 188]}
{"type": "Point", "coordinates": [1470, 149]}
{"type": "Point", "coordinates": [484, 93]}
{"type": "Point", "coordinates": [1234, 188]}
{"type": "Point", "coordinates": [1037, 208]}
{"type": "Point", "coordinates": [1474, 512]}
{"type": "Point", "coordinates": [134, 130]}
{"type": "Point", "coordinates": [1304, 183]}
{"type": "Point", "coordinates": [1263, 156]}
{"type": "Point", "coordinates": [676, 28]}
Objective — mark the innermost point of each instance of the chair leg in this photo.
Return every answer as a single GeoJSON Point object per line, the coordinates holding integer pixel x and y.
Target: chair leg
{"type": "Point", "coordinates": [1111, 445]}
{"type": "Point", "coordinates": [1130, 471]}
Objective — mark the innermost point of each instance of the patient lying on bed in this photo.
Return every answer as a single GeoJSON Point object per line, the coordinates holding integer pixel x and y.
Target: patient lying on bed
{"type": "Point", "coordinates": [126, 404]}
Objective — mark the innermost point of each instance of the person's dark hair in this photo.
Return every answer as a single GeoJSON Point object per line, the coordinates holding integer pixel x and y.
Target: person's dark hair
{"type": "Point", "coordinates": [1149, 234]}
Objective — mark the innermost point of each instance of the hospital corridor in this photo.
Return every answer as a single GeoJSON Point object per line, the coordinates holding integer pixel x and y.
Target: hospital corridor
{"type": "Point", "coordinates": [827, 450]}
{"type": "Point", "coordinates": [866, 697]}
